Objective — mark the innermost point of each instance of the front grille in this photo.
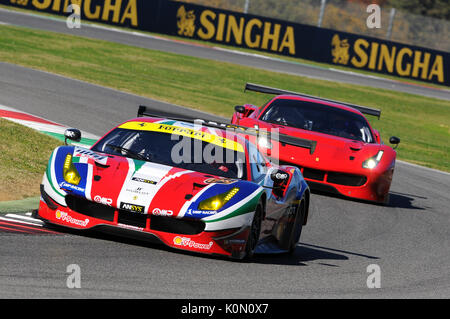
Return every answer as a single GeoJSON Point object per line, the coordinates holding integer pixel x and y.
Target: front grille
{"type": "Point", "coordinates": [88, 208]}
{"type": "Point", "coordinates": [176, 226]}
{"type": "Point", "coordinates": [132, 219]}
{"type": "Point", "coordinates": [346, 179]}
{"type": "Point", "coordinates": [309, 173]}
{"type": "Point", "coordinates": [280, 162]}
{"type": "Point", "coordinates": [313, 174]}
{"type": "Point", "coordinates": [158, 223]}
{"type": "Point", "coordinates": [333, 177]}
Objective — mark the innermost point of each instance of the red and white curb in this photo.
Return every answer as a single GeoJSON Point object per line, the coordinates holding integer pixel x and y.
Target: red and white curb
{"type": "Point", "coordinates": [42, 125]}
{"type": "Point", "coordinates": [23, 223]}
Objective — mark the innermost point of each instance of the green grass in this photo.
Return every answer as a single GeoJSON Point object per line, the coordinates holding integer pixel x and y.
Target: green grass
{"type": "Point", "coordinates": [422, 123]}
{"type": "Point", "coordinates": [24, 154]}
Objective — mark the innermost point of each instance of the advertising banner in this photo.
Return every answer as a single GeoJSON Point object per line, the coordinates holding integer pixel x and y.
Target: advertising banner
{"type": "Point", "coordinates": [258, 33]}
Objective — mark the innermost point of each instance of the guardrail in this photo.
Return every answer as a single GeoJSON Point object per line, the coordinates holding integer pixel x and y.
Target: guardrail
{"type": "Point", "coordinates": [259, 33]}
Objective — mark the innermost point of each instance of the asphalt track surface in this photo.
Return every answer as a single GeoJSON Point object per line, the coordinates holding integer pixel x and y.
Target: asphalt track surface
{"type": "Point", "coordinates": [213, 53]}
{"type": "Point", "coordinates": [409, 239]}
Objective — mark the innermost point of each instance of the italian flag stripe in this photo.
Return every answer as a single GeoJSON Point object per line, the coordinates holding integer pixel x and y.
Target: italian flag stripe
{"type": "Point", "coordinates": [239, 208]}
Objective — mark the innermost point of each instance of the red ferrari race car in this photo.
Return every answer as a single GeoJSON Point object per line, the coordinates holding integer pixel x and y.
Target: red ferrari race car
{"type": "Point", "coordinates": [349, 157]}
{"type": "Point", "coordinates": [201, 188]}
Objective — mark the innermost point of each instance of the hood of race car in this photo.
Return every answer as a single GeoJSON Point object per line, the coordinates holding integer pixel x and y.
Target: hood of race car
{"type": "Point", "coordinates": [139, 186]}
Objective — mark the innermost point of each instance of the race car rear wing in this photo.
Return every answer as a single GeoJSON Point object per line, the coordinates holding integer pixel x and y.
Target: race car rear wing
{"type": "Point", "coordinates": [270, 90]}
{"type": "Point", "coordinates": [281, 138]}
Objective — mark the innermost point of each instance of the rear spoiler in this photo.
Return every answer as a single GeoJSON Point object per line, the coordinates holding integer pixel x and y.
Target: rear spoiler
{"type": "Point", "coordinates": [270, 90]}
{"type": "Point", "coordinates": [282, 138]}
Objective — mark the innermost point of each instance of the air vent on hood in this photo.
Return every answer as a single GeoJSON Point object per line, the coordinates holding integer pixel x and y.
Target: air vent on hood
{"type": "Point", "coordinates": [346, 179]}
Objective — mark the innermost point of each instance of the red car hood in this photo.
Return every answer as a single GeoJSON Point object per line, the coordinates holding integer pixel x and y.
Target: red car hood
{"type": "Point", "coordinates": [127, 181]}
{"type": "Point", "coordinates": [133, 185]}
{"type": "Point", "coordinates": [331, 153]}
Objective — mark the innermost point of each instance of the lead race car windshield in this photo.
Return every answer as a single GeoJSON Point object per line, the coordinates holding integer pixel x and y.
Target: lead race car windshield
{"type": "Point", "coordinates": [318, 118]}
{"type": "Point", "coordinates": [183, 147]}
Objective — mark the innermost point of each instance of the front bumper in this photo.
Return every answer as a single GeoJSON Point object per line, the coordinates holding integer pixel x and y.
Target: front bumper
{"type": "Point", "coordinates": [228, 242]}
{"type": "Point", "coordinates": [372, 186]}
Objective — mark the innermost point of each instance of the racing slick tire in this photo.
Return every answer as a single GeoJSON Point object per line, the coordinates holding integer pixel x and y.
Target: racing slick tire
{"type": "Point", "coordinates": [297, 226]}
{"type": "Point", "coordinates": [255, 231]}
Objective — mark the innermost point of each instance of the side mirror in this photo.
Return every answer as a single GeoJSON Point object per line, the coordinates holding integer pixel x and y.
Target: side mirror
{"type": "Point", "coordinates": [72, 134]}
{"type": "Point", "coordinates": [239, 109]}
{"type": "Point", "coordinates": [377, 136]}
{"type": "Point", "coordinates": [394, 140]}
{"type": "Point", "coordinates": [279, 177]}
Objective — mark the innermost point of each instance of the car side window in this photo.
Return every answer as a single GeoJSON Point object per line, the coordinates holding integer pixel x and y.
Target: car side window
{"type": "Point", "coordinates": [257, 163]}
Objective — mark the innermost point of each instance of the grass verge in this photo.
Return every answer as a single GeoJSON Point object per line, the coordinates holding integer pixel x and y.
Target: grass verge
{"type": "Point", "coordinates": [422, 123]}
{"type": "Point", "coordinates": [24, 154]}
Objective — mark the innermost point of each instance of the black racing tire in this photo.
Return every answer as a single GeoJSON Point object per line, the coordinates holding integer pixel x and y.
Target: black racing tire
{"type": "Point", "coordinates": [255, 231]}
{"type": "Point", "coordinates": [387, 200]}
{"type": "Point", "coordinates": [297, 227]}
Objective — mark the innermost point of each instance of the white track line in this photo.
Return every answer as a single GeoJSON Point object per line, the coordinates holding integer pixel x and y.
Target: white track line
{"type": "Point", "coordinates": [22, 222]}
{"type": "Point", "coordinates": [25, 218]}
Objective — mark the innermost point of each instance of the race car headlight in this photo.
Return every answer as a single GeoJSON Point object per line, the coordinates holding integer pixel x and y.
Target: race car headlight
{"type": "Point", "coordinates": [372, 162]}
{"type": "Point", "coordinates": [70, 173]}
{"type": "Point", "coordinates": [217, 202]}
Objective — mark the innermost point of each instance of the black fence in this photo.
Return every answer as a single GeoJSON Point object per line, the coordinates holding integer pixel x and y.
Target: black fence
{"type": "Point", "coordinates": [259, 33]}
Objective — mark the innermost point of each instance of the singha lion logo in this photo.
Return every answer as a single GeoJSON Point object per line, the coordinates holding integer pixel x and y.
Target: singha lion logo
{"type": "Point", "coordinates": [185, 22]}
{"type": "Point", "coordinates": [340, 50]}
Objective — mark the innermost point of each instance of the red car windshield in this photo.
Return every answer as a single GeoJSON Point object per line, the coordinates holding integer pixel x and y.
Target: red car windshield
{"type": "Point", "coordinates": [318, 118]}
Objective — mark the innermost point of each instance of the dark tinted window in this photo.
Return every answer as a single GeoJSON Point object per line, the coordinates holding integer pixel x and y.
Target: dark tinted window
{"type": "Point", "coordinates": [318, 118]}
{"type": "Point", "coordinates": [257, 163]}
{"type": "Point", "coordinates": [174, 150]}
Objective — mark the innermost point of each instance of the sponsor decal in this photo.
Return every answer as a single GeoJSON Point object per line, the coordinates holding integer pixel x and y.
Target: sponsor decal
{"type": "Point", "coordinates": [339, 50]}
{"type": "Point", "coordinates": [185, 22]}
{"type": "Point", "coordinates": [162, 212]}
{"type": "Point", "coordinates": [394, 59]}
{"type": "Point", "coordinates": [193, 212]}
{"type": "Point", "coordinates": [60, 215]}
{"type": "Point", "coordinates": [79, 152]}
{"type": "Point", "coordinates": [130, 227]}
{"type": "Point", "coordinates": [188, 242]}
{"type": "Point", "coordinates": [68, 186]}
{"type": "Point", "coordinates": [103, 200]}
{"type": "Point", "coordinates": [184, 131]}
{"type": "Point", "coordinates": [70, 134]}
{"type": "Point", "coordinates": [143, 180]}
{"type": "Point", "coordinates": [220, 180]}
{"type": "Point", "coordinates": [281, 176]}
{"type": "Point", "coordinates": [117, 12]}
{"type": "Point", "coordinates": [137, 190]}
{"type": "Point", "coordinates": [251, 32]}
{"type": "Point", "coordinates": [132, 207]}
